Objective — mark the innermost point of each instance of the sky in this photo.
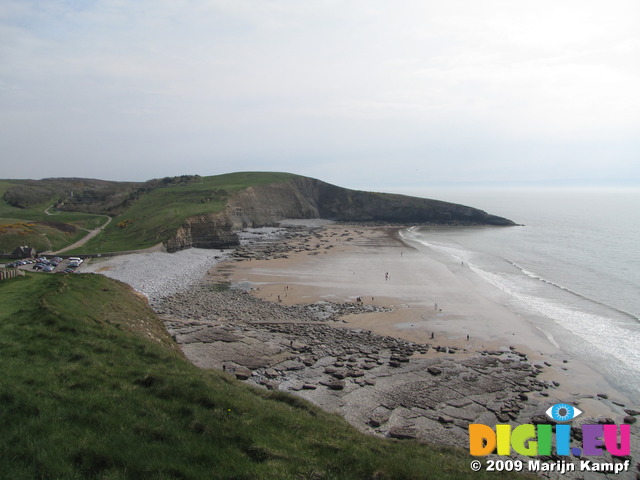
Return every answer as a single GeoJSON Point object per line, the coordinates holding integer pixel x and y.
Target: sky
{"type": "Point", "coordinates": [360, 93]}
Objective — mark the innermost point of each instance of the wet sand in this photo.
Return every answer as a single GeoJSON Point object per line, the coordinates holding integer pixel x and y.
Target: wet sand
{"type": "Point", "coordinates": [434, 301]}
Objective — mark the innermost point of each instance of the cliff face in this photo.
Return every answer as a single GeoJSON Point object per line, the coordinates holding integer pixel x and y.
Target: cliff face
{"type": "Point", "coordinates": [204, 231]}
{"type": "Point", "coordinates": [351, 205]}
{"type": "Point", "coordinates": [301, 198]}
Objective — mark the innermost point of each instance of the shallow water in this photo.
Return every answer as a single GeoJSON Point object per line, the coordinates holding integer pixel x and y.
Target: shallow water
{"type": "Point", "coordinates": [573, 269]}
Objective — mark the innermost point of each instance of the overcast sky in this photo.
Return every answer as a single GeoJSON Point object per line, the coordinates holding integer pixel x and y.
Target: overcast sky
{"type": "Point", "coordinates": [361, 93]}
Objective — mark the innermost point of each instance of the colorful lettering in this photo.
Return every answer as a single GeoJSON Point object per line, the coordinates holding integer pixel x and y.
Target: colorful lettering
{"type": "Point", "coordinates": [530, 440]}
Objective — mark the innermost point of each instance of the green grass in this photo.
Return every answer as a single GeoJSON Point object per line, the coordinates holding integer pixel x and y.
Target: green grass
{"type": "Point", "coordinates": [42, 235]}
{"type": "Point", "coordinates": [148, 220]}
{"type": "Point", "coordinates": [49, 235]}
{"type": "Point", "coordinates": [92, 387]}
{"type": "Point", "coordinates": [157, 215]}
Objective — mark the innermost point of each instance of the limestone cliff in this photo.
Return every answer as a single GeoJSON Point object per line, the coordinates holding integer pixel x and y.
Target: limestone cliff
{"type": "Point", "coordinates": [302, 197]}
{"type": "Point", "coordinates": [204, 231]}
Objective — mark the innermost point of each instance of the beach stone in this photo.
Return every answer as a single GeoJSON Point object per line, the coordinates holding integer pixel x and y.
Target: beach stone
{"type": "Point", "coordinates": [630, 411]}
{"type": "Point", "coordinates": [270, 384]}
{"type": "Point", "coordinates": [242, 373]}
{"type": "Point", "coordinates": [630, 420]}
{"type": "Point", "coordinates": [292, 365]}
{"type": "Point", "coordinates": [605, 421]}
{"type": "Point", "coordinates": [379, 418]}
{"type": "Point", "coordinates": [541, 419]}
{"type": "Point", "coordinates": [298, 346]}
{"type": "Point", "coordinates": [434, 370]}
{"type": "Point", "coordinates": [444, 419]}
{"type": "Point", "coordinates": [403, 433]}
{"type": "Point", "coordinates": [309, 386]}
{"type": "Point", "coordinates": [271, 373]}
{"type": "Point", "coordinates": [333, 384]}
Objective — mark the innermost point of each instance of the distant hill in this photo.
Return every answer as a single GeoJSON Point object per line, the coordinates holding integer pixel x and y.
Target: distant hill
{"type": "Point", "coordinates": [207, 212]}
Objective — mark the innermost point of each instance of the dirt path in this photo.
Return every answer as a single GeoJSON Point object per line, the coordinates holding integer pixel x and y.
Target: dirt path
{"type": "Point", "coordinates": [85, 239]}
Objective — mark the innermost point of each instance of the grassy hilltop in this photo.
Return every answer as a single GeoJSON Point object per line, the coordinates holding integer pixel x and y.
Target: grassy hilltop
{"type": "Point", "coordinates": [52, 213]}
{"type": "Point", "coordinates": [28, 224]}
{"type": "Point", "coordinates": [144, 213]}
{"type": "Point", "coordinates": [94, 388]}
{"type": "Point", "coordinates": [155, 215]}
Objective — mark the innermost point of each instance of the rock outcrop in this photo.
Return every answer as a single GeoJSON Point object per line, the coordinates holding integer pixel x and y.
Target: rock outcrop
{"type": "Point", "coordinates": [305, 198]}
{"type": "Point", "coordinates": [204, 231]}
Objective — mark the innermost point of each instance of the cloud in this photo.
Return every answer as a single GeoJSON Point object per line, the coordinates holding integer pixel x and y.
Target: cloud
{"type": "Point", "coordinates": [132, 90]}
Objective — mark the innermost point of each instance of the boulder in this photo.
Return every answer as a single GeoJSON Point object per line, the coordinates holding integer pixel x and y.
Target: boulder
{"type": "Point", "coordinates": [403, 433]}
{"type": "Point", "coordinates": [242, 373]}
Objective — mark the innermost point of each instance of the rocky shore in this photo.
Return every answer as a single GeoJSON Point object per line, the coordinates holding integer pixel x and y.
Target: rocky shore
{"type": "Point", "coordinates": [383, 385]}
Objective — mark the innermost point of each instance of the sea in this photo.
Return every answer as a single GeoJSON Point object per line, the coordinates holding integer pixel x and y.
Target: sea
{"type": "Point", "coordinates": [572, 267]}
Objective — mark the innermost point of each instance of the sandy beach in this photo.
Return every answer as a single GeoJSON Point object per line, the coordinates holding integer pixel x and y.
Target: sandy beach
{"type": "Point", "coordinates": [429, 295]}
{"type": "Point", "coordinates": [400, 340]}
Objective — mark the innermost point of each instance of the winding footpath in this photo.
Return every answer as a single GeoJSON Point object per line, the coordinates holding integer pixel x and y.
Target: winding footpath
{"type": "Point", "coordinates": [91, 234]}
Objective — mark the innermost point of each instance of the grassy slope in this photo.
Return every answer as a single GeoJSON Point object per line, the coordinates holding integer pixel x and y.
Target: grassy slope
{"type": "Point", "coordinates": [152, 218]}
{"type": "Point", "coordinates": [157, 215]}
{"type": "Point", "coordinates": [92, 387]}
{"type": "Point", "coordinates": [41, 236]}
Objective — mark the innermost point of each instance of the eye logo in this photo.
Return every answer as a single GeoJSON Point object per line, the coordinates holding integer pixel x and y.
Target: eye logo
{"type": "Point", "coordinates": [561, 412]}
